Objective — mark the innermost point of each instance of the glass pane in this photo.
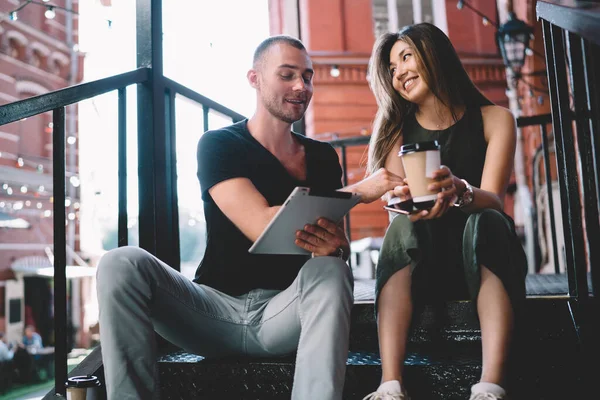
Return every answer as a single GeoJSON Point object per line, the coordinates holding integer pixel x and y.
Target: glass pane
{"type": "Point", "coordinates": [107, 33]}
{"type": "Point", "coordinates": [98, 121]}
{"type": "Point", "coordinates": [189, 122]}
{"type": "Point", "coordinates": [209, 48]}
{"type": "Point", "coordinates": [217, 120]}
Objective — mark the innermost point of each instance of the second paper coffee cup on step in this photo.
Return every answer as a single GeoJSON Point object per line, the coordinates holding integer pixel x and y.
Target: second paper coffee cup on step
{"type": "Point", "coordinates": [420, 160]}
{"type": "Point", "coordinates": [84, 387]}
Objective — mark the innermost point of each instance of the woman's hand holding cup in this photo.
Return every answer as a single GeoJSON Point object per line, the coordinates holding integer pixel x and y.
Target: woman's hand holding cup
{"type": "Point", "coordinates": [444, 185]}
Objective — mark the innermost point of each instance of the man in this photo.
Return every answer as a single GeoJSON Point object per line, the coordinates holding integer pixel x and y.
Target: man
{"type": "Point", "coordinates": [242, 303]}
{"type": "Point", "coordinates": [6, 351]}
{"type": "Point", "coordinates": [31, 339]}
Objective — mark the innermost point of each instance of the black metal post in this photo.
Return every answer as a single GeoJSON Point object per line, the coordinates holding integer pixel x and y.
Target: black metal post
{"type": "Point", "coordinates": [205, 115]}
{"type": "Point", "coordinates": [122, 155]}
{"type": "Point", "coordinates": [157, 229]}
{"type": "Point", "coordinates": [546, 153]}
{"type": "Point", "coordinates": [171, 151]}
{"type": "Point", "coordinates": [60, 250]}
{"type": "Point", "coordinates": [147, 50]}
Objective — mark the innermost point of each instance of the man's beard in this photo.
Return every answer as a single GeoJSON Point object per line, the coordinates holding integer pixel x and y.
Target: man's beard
{"type": "Point", "coordinates": [278, 111]}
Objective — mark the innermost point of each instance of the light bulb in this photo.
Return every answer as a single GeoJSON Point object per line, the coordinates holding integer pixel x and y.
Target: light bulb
{"type": "Point", "coordinates": [335, 71]}
{"type": "Point", "coordinates": [50, 14]}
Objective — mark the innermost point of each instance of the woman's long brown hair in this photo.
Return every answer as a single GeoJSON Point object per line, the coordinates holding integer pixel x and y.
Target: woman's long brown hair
{"type": "Point", "coordinates": [440, 68]}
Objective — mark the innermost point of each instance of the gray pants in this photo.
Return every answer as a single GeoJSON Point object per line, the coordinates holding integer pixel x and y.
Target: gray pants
{"type": "Point", "coordinates": [139, 294]}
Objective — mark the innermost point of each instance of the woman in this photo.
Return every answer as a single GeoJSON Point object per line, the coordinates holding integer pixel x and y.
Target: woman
{"type": "Point", "coordinates": [464, 246]}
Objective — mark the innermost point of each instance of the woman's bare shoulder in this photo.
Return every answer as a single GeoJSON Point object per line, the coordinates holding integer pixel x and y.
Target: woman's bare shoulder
{"type": "Point", "coordinates": [497, 120]}
{"type": "Point", "coordinates": [496, 114]}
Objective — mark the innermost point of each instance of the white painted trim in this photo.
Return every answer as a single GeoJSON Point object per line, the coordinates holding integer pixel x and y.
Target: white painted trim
{"type": "Point", "coordinates": [34, 32]}
{"type": "Point", "coordinates": [24, 246]}
{"type": "Point", "coordinates": [42, 49]}
{"type": "Point", "coordinates": [18, 36]}
{"type": "Point", "coordinates": [7, 78]}
{"type": "Point", "coordinates": [417, 11]}
{"type": "Point", "coordinates": [60, 81]}
{"type": "Point", "coordinates": [290, 18]}
{"type": "Point", "coordinates": [59, 57]}
{"type": "Point", "coordinates": [55, 24]}
{"type": "Point", "coordinates": [440, 19]}
{"type": "Point", "coordinates": [392, 14]}
{"type": "Point", "coordinates": [8, 97]}
{"type": "Point", "coordinates": [9, 136]}
{"type": "Point", "coordinates": [30, 87]}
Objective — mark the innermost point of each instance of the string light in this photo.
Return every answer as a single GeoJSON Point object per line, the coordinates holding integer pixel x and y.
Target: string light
{"type": "Point", "coordinates": [335, 71]}
{"type": "Point", "coordinates": [50, 12]}
{"type": "Point", "coordinates": [33, 208]}
{"type": "Point", "coordinates": [485, 19]}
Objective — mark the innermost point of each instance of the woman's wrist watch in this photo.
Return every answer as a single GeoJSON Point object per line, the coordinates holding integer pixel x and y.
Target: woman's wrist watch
{"type": "Point", "coordinates": [466, 198]}
{"type": "Point", "coordinates": [339, 253]}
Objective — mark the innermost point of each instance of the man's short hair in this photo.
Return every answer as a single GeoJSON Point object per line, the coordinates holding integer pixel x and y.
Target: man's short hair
{"type": "Point", "coordinates": [273, 40]}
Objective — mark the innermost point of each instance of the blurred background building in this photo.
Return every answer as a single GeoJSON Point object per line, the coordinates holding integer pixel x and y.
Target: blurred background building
{"type": "Point", "coordinates": [38, 54]}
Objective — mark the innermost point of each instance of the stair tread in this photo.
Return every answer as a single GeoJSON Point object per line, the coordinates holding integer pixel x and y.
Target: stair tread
{"type": "Point", "coordinates": [356, 358]}
{"type": "Point", "coordinates": [183, 376]}
{"type": "Point", "coordinates": [535, 284]}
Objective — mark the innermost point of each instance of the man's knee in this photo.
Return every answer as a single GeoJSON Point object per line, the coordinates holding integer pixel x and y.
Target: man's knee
{"type": "Point", "coordinates": [332, 276]}
{"type": "Point", "coordinates": [120, 267]}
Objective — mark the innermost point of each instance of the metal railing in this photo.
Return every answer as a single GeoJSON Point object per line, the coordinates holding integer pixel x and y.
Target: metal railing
{"type": "Point", "coordinates": [57, 102]}
{"type": "Point", "coordinates": [343, 145]}
{"type": "Point", "coordinates": [572, 46]}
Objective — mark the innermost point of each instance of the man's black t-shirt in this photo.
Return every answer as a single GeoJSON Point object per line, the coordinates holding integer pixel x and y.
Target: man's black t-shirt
{"type": "Point", "coordinates": [232, 152]}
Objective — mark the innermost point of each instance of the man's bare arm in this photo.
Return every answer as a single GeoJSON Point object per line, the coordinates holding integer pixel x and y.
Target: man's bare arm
{"type": "Point", "coordinates": [243, 204]}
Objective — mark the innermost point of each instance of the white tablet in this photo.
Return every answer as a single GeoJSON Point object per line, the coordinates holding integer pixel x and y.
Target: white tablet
{"type": "Point", "coordinates": [303, 206]}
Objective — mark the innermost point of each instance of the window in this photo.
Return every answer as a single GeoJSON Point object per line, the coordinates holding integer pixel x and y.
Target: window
{"type": "Point", "coordinates": [14, 311]}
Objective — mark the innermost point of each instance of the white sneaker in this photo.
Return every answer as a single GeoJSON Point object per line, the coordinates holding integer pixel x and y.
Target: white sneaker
{"type": "Point", "coordinates": [487, 391]}
{"type": "Point", "coordinates": [387, 396]}
{"type": "Point", "coordinates": [486, 396]}
{"type": "Point", "coordinates": [390, 390]}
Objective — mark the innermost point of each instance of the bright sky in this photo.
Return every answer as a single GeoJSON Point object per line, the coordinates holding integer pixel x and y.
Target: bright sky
{"type": "Point", "coordinates": [208, 46]}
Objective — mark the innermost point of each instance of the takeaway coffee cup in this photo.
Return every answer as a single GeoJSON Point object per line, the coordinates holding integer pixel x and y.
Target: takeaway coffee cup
{"type": "Point", "coordinates": [420, 161]}
{"type": "Point", "coordinates": [85, 387]}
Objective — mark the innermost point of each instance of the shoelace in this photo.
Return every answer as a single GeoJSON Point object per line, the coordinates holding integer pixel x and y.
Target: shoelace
{"type": "Point", "coordinates": [384, 396]}
{"type": "Point", "coordinates": [485, 396]}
